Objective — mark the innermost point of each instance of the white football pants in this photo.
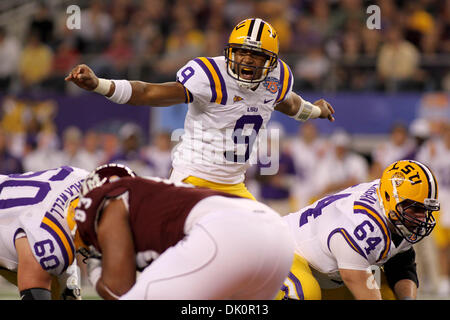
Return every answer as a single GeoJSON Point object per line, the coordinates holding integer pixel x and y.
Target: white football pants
{"type": "Point", "coordinates": [233, 249]}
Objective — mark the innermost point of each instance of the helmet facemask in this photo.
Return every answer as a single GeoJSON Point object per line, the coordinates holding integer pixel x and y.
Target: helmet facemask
{"type": "Point", "coordinates": [257, 73]}
{"type": "Point", "coordinates": [414, 220]}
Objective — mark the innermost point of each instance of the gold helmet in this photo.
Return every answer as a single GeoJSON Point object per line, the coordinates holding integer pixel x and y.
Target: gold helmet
{"type": "Point", "coordinates": [259, 37]}
{"type": "Point", "coordinates": [409, 194]}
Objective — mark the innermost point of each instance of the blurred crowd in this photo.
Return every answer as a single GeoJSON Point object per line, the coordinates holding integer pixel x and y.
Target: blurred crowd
{"type": "Point", "coordinates": [327, 43]}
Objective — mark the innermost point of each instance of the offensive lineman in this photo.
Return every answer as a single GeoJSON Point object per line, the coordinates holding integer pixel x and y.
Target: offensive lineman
{"type": "Point", "coordinates": [189, 243]}
{"type": "Point", "coordinates": [340, 236]}
{"type": "Point", "coordinates": [226, 96]}
{"type": "Point", "coordinates": [37, 252]}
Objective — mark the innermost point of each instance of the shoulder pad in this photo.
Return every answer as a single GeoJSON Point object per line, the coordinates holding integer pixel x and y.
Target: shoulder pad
{"type": "Point", "coordinates": [203, 78]}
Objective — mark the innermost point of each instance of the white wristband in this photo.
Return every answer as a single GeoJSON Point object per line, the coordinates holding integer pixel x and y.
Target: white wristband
{"type": "Point", "coordinates": [122, 93]}
{"type": "Point", "coordinates": [103, 86]}
{"type": "Point", "coordinates": [306, 111]}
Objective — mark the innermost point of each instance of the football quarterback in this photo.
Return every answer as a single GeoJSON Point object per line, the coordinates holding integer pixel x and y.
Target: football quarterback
{"type": "Point", "coordinates": [340, 238]}
{"type": "Point", "coordinates": [230, 100]}
{"type": "Point", "coordinates": [37, 252]}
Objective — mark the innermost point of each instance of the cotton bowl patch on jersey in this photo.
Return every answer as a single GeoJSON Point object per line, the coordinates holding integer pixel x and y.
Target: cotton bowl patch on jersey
{"type": "Point", "coordinates": [271, 84]}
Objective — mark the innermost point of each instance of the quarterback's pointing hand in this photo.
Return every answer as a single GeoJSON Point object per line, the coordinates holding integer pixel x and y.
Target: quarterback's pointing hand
{"type": "Point", "coordinates": [84, 77]}
{"type": "Point", "coordinates": [326, 109]}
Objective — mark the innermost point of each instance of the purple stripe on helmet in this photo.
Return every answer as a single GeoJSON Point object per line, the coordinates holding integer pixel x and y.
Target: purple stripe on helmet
{"type": "Point", "coordinates": [298, 285]}
{"type": "Point", "coordinates": [353, 244]}
{"type": "Point", "coordinates": [222, 82]}
{"type": "Point", "coordinates": [386, 236]}
{"type": "Point", "coordinates": [280, 89]}
{"type": "Point", "coordinates": [210, 77]}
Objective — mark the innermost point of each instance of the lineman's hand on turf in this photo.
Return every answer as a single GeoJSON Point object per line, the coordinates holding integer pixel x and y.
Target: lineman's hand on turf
{"type": "Point", "coordinates": [326, 109]}
{"type": "Point", "coordinates": [84, 77]}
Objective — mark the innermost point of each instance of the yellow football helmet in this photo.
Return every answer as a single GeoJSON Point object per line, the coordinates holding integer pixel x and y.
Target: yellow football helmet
{"type": "Point", "coordinates": [259, 37]}
{"type": "Point", "coordinates": [409, 194]}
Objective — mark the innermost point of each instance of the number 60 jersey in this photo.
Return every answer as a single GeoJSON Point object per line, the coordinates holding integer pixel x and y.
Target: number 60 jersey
{"type": "Point", "coordinates": [346, 230]}
{"type": "Point", "coordinates": [35, 205]}
{"type": "Point", "coordinates": [224, 119]}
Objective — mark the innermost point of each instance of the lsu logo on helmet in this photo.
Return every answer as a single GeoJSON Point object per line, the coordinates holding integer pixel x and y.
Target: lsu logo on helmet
{"type": "Point", "coordinates": [409, 195]}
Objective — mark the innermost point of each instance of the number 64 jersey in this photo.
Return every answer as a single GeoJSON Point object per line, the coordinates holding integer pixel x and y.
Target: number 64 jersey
{"type": "Point", "coordinates": [35, 205]}
{"type": "Point", "coordinates": [224, 119]}
{"type": "Point", "coordinates": [346, 230]}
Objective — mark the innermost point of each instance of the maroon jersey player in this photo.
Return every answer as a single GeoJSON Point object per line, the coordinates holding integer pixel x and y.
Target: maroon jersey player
{"type": "Point", "coordinates": [181, 238]}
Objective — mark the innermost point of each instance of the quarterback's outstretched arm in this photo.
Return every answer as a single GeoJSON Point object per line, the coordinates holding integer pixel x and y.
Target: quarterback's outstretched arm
{"type": "Point", "coordinates": [130, 92]}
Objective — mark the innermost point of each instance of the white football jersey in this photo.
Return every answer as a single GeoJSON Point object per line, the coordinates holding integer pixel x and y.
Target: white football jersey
{"type": "Point", "coordinates": [223, 119]}
{"type": "Point", "coordinates": [354, 214]}
{"type": "Point", "coordinates": [35, 204]}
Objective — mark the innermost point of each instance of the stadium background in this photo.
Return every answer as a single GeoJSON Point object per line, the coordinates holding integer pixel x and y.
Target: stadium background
{"type": "Point", "coordinates": [389, 86]}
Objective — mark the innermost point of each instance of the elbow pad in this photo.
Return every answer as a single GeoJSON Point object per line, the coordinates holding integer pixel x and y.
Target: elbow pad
{"type": "Point", "coordinates": [401, 266]}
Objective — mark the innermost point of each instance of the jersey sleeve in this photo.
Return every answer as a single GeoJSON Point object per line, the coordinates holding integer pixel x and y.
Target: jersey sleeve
{"type": "Point", "coordinates": [52, 245]}
{"type": "Point", "coordinates": [203, 81]}
{"type": "Point", "coordinates": [346, 252]}
{"type": "Point", "coordinates": [286, 81]}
